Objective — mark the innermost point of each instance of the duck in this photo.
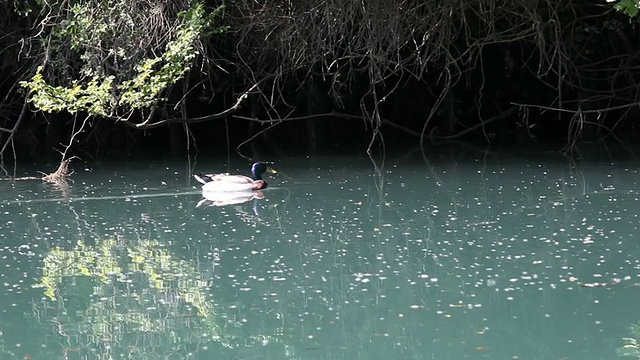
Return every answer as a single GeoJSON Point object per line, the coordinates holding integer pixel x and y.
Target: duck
{"type": "Point", "coordinates": [235, 183]}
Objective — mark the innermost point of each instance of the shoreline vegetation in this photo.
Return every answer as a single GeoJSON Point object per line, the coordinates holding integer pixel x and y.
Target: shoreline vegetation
{"type": "Point", "coordinates": [118, 77]}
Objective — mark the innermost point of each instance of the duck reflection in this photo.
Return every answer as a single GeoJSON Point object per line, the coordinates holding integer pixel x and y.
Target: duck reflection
{"type": "Point", "coordinates": [228, 198]}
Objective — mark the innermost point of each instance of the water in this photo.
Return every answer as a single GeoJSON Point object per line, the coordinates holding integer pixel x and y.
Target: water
{"type": "Point", "coordinates": [466, 259]}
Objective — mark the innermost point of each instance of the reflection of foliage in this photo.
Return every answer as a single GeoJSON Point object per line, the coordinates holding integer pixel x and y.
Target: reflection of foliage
{"type": "Point", "coordinates": [100, 262]}
{"type": "Point", "coordinates": [632, 344]}
{"type": "Point", "coordinates": [139, 288]}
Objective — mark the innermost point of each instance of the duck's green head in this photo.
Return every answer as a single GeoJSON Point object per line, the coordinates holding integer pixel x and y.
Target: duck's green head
{"type": "Point", "coordinates": [259, 168]}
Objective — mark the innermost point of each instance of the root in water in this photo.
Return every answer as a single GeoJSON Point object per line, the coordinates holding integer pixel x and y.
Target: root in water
{"type": "Point", "coordinates": [61, 174]}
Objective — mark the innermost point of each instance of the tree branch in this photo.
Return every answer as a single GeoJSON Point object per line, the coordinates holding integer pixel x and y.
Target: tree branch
{"type": "Point", "coordinates": [12, 132]}
{"type": "Point", "coordinates": [147, 125]}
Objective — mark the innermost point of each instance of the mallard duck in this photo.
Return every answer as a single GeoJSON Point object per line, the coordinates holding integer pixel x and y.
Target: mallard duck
{"type": "Point", "coordinates": [231, 183]}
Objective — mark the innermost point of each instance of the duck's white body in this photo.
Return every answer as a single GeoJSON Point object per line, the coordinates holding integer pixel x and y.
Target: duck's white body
{"type": "Point", "coordinates": [235, 183]}
{"type": "Point", "coordinates": [229, 183]}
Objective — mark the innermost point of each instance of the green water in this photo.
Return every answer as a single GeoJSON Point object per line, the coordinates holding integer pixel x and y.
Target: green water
{"type": "Point", "coordinates": [473, 259]}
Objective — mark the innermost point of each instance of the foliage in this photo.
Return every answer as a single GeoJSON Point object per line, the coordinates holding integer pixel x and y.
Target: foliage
{"type": "Point", "coordinates": [473, 63]}
{"type": "Point", "coordinates": [631, 347]}
{"type": "Point", "coordinates": [116, 73]}
{"type": "Point", "coordinates": [92, 98]}
{"type": "Point", "coordinates": [629, 7]}
{"type": "Point", "coordinates": [154, 75]}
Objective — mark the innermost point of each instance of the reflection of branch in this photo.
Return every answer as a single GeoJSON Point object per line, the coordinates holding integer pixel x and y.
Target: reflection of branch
{"type": "Point", "coordinates": [378, 181]}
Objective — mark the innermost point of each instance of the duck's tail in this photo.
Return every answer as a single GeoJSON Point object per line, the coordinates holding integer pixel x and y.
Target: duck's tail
{"type": "Point", "coordinates": [203, 178]}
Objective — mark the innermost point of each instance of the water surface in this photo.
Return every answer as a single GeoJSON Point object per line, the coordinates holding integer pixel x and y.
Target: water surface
{"type": "Point", "coordinates": [480, 258]}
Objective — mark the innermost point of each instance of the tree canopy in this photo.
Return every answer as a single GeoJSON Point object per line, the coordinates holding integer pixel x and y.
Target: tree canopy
{"type": "Point", "coordinates": [555, 70]}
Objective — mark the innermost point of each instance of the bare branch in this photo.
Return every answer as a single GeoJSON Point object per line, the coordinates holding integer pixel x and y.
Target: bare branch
{"type": "Point", "coordinates": [149, 125]}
